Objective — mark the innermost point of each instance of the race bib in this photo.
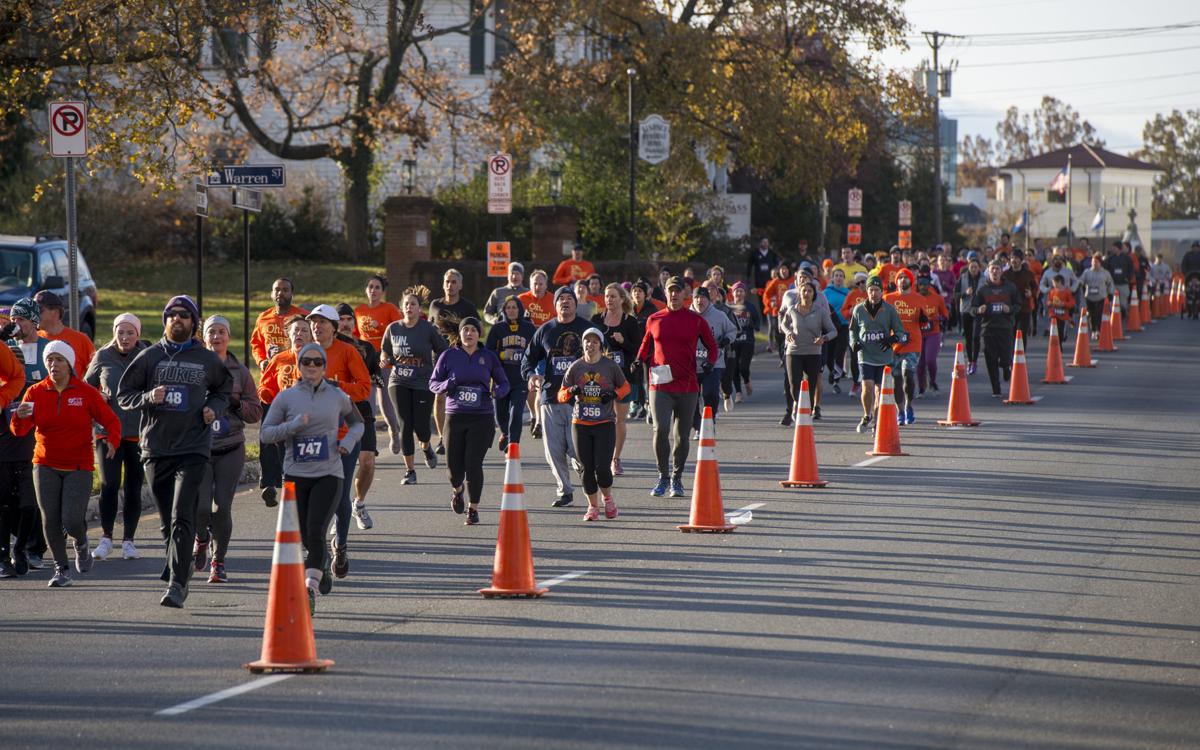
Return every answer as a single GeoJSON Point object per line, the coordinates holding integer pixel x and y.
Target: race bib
{"type": "Point", "coordinates": [927, 325]}
{"type": "Point", "coordinates": [873, 336]}
{"type": "Point", "coordinates": [701, 352]}
{"type": "Point", "coordinates": [404, 372]}
{"type": "Point", "coordinates": [468, 394]}
{"type": "Point", "coordinates": [515, 356]}
{"type": "Point", "coordinates": [590, 411]}
{"type": "Point", "coordinates": [220, 427]}
{"type": "Point", "coordinates": [560, 364]}
{"type": "Point", "coordinates": [618, 357]}
{"type": "Point", "coordinates": [175, 399]}
{"type": "Point", "coordinates": [998, 307]}
{"type": "Point", "coordinates": [1060, 311]}
{"type": "Point", "coordinates": [310, 449]}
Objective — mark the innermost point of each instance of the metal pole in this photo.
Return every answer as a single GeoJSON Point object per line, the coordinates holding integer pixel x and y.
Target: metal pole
{"type": "Point", "coordinates": [1028, 221]}
{"type": "Point", "coordinates": [824, 213]}
{"type": "Point", "coordinates": [1069, 232]}
{"type": "Point", "coordinates": [937, 145]}
{"type": "Point", "coordinates": [1103, 222]}
{"type": "Point", "coordinates": [499, 229]}
{"type": "Point", "coordinates": [246, 281]}
{"type": "Point", "coordinates": [200, 264]}
{"type": "Point", "coordinates": [72, 248]}
{"type": "Point", "coordinates": [631, 250]}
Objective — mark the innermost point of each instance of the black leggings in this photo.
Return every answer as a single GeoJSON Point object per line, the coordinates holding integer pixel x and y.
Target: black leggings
{"type": "Point", "coordinates": [468, 437]}
{"type": "Point", "coordinates": [316, 500]}
{"type": "Point", "coordinates": [835, 351]}
{"type": "Point", "coordinates": [971, 337]}
{"type": "Point", "coordinates": [127, 460]}
{"type": "Point", "coordinates": [414, 406]}
{"type": "Point", "coordinates": [18, 506]}
{"type": "Point", "coordinates": [594, 445]}
{"type": "Point", "coordinates": [1095, 314]}
{"type": "Point", "coordinates": [737, 365]}
{"type": "Point", "coordinates": [799, 367]}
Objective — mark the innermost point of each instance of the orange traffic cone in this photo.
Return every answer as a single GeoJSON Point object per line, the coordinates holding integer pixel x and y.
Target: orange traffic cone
{"type": "Point", "coordinates": [1156, 305]}
{"type": "Point", "coordinates": [288, 644]}
{"type": "Point", "coordinates": [1018, 383]}
{"type": "Point", "coordinates": [1106, 330]}
{"type": "Point", "coordinates": [512, 571]}
{"type": "Point", "coordinates": [1180, 297]}
{"type": "Point", "coordinates": [1054, 363]}
{"type": "Point", "coordinates": [1134, 323]}
{"type": "Point", "coordinates": [708, 514]}
{"type": "Point", "coordinates": [1118, 330]}
{"type": "Point", "coordinates": [887, 429]}
{"type": "Point", "coordinates": [1147, 319]}
{"type": "Point", "coordinates": [958, 414]}
{"type": "Point", "coordinates": [804, 471]}
{"type": "Point", "coordinates": [1083, 345]}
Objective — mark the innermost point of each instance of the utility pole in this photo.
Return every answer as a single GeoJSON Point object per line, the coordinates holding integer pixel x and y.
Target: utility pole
{"type": "Point", "coordinates": [631, 249]}
{"type": "Point", "coordinates": [936, 39]}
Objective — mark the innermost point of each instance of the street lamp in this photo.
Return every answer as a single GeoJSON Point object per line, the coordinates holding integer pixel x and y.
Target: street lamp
{"type": "Point", "coordinates": [409, 174]}
{"type": "Point", "coordinates": [631, 251]}
{"type": "Point", "coordinates": [555, 183]}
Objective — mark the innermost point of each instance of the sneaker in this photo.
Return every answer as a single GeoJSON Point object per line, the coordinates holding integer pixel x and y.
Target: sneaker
{"type": "Point", "coordinates": [837, 388]}
{"type": "Point", "coordinates": [660, 489]}
{"type": "Point", "coordinates": [617, 469]}
{"type": "Point", "coordinates": [361, 516]}
{"type": "Point", "coordinates": [20, 562]}
{"type": "Point", "coordinates": [934, 387]}
{"type": "Point", "coordinates": [457, 503]}
{"type": "Point", "coordinates": [610, 508]}
{"type": "Point", "coordinates": [535, 431]}
{"type": "Point", "coordinates": [83, 557]}
{"type": "Point", "coordinates": [577, 465]}
{"type": "Point", "coordinates": [649, 418]}
{"type": "Point", "coordinates": [472, 517]}
{"type": "Point", "coordinates": [727, 402]}
{"type": "Point", "coordinates": [900, 417]}
{"type": "Point", "coordinates": [695, 434]}
{"type": "Point", "coordinates": [175, 596]}
{"type": "Point", "coordinates": [749, 389]}
{"type": "Point", "coordinates": [855, 389]}
{"type": "Point", "coordinates": [431, 459]}
{"type": "Point", "coordinates": [200, 553]}
{"type": "Point", "coordinates": [863, 425]}
{"type": "Point", "coordinates": [7, 570]}
{"type": "Point", "coordinates": [60, 579]}
{"type": "Point", "coordinates": [503, 444]}
{"type": "Point", "coordinates": [920, 393]}
{"type": "Point", "coordinates": [326, 583]}
{"type": "Point", "coordinates": [908, 416]}
{"type": "Point", "coordinates": [268, 496]}
{"type": "Point", "coordinates": [786, 421]}
{"type": "Point", "coordinates": [996, 394]}
{"type": "Point", "coordinates": [971, 368]}
{"type": "Point", "coordinates": [592, 514]}
{"type": "Point", "coordinates": [128, 551]}
{"type": "Point", "coordinates": [677, 487]}
{"type": "Point", "coordinates": [34, 561]}
{"type": "Point", "coordinates": [816, 412]}
{"type": "Point", "coordinates": [441, 449]}
{"type": "Point", "coordinates": [410, 477]}
{"type": "Point", "coordinates": [394, 442]}
{"type": "Point", "coordinates": [216, 573]}
{"type": "Point", "coordinates": [738, 397]}
{"type": "Point", "coordinates": [564, 501]}
{"type": "Point", "coordinates": [103, 549]}
{"type": "Point", "coordinates": [312, 601]}
{"type": "Point", "coordinates": [341, 561]}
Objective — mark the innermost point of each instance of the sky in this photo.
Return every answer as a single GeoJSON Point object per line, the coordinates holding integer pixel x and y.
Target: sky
{"type": "Point", "coordinates": [1130, 77]}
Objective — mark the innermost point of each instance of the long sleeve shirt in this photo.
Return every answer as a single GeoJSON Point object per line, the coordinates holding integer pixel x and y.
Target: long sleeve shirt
{"type": "Point", "coordinates": [269, 336]}
{"type": "Point", "coordinates": [670, 339]}
{"type": "Point", "coordinates": [470, 381]}
{"type": "Point", "coordinates": [64, 424]}
{"type": "Point", "coordinates": [311, 446]}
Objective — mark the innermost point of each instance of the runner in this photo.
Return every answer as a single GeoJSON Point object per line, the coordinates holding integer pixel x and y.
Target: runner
{"type": "Point", "coordinates": [874, 327]}
{"type": "Point", "coordinates": [53, 328]}
{"type": "Point", "coordinates": [806, 328]}
{"type": "Point", "coordinates": [1060, 303]}
{"type": "Point", "coordinates": [556, 343]}
{"type": "Point", "coordinates": [835, 352]}
{"type": "Point", "coordinates": [307, 418]}
{"type": "Point", "coordinates": [61, 408]}
{"type": "Point", "coordinates": [445, 313]}
{"type": "Point", "coordinates": [410, 346]}
{"type": "Point", "coordinates": [595, 383]}
{"type": "Point", "coordinates": [20, 521]}
{"type": "Point", "coordinates": [935, 317]}
{"type": "Point", "coordinates": [969, 282]}
{"type": "Point", "coordinates": [368, 322]}
{"type": "Point", "coordinates": [472, 377]}
{"type": "Point", "coordinates": [856, 295]}
{"type": "Point", "coordinates": [668, 351]}
{"type": "Point", "coordinates": [724, 331]}
{"type": "Point", "coordinates": [741, 353]}
{"type": "Point", "coordinates": [509, 340]}
{"type": "Point", "coordinates": [180, 388]}
{"type": "Point", "coordinates": [1120, 267]}
{"type": "Point", "coordinates": [644, 306]}
{"type": "Point", "coordinates": [772, 298]}
{"type": "Point", "coordinates": [909, 304]}
{"type": "Point", "coordinates": [849, 266]}
{"type": "Point", "coordinates": [622, 335]}
{"type": "Point", "coordinates": [364, 472]}
{"type": "Point", "coordinates": [1027, 287]}
{"type": "Point", "coordinates": [996, 303]}
{"type": "Point", "coordinates": [595, 292]}
{"type": "Point", "coordinates": [1097, 284]}
{"type": "Point", "coordinates": [214, 510]}
{"type": "Point", "coordinates": [585, 308]}
{"type": "Point", "coordinates": [574, 268]}
{"type": "Point", "coordinates": [280, 373]}
{"type": "Point", "coordinates": [514, 288]}
{"type": "Point", "coordinates": [270, 336]}
{"type": "Point", "coordinates": [104, 374]}
{"type": "Point", "coordinates": [539, 306]}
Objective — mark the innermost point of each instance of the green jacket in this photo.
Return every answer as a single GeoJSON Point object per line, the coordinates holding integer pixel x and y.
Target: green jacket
{"type": "Point", "coordinates": [872, 336]}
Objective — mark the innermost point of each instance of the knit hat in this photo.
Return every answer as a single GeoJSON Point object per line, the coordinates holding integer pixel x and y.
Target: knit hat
{"type": "Point", "coordinates": [186, 303]}
{"type": "Point", "coordinates": [738, 285]}
{"type": "Point", "coordinates": [216, 320]}
{"type": "Point", "coordinates": [132, 320]}
{"type": "Point", "coordinates": [47, 298]}
{"type": "Point", "coordinates": [310, 349]}
{"type": "Point", "coordinates": [61, 348]}
{"type": "Point", "coordinates": [875, 281]}
{"type": "Point", "coordinates": [344, 309]}
{"type": "Point", "coordinates": [593, 331]}
{"type": "Point", "coordinates": [563, 291]}
{"type": "Point", "coordinates": [515, 266]}
{"type": "Point", "coordinates": [472, 321]}
{"type": "Point", "coordinates": [912, 280]}
{"type": "Point", "coordinates": [28, 309]}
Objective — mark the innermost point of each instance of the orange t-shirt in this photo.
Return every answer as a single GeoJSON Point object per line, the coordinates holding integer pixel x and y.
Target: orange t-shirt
{"type": "Point", "coordinates": [280, 373]}
{"type": "Point", "coordinates": [887, 273]}
{"type": "Point", "coordinates": [854, 296]}
{"type": "Point", "coordinates": [570, 271]}
{"type": "Point", "coordinates": [773, 294]}
{"type": "Point", "coordinates": [935, 311]}
{"type": "Point", "coordinates": [909, 306]}
{"type": "Point", "coordinates": [1060, 303]}
{"type": "Point", "coordinates": [345, 366]}
{"type": "Point", "coordinates": [373, 321]}
{"type": "Point", "coordinates": [82, 346]}
{"type": "Point", "coordinates": [269, 332]}
{"type": "Point", "coordinates": [658, 304]}
{"type": "Point", "coordinates": [540, 309]}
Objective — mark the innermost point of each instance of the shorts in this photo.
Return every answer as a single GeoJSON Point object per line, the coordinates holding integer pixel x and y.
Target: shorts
{"type": "Point", "coordinates": [907, 361]}
{"type": "Point", "coordinates": [874, 373]}
{"type": "Point", "coordinates": [369, 440]}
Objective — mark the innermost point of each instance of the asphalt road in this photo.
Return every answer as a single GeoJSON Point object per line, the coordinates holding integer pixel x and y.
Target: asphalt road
{"type": "Point", "coordinates": [1030, 583]}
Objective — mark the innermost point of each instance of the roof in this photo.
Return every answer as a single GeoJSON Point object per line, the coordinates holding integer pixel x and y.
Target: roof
{"type": "Point", "coordinates": [1082, 155]}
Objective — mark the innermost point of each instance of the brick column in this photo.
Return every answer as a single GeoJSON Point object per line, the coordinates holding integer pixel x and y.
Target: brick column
{"type": "Point", "coordinates": [407, 239]}
{"type": "Point", "coordinates": [554, 228]}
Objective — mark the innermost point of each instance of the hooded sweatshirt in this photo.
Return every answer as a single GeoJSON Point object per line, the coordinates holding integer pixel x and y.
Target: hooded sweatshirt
{"type": "Point", "coordinates": [311, 450]}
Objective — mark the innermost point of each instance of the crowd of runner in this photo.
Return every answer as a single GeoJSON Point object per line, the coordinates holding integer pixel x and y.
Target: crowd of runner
{"type": "Point", "coordinates": [576, 357]}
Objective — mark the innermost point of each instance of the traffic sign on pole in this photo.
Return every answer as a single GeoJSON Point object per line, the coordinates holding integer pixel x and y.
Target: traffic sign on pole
{"type": "Point", "coordinates": [499, 184]}
{"type": "Point", "coordinates": [854, 234]}
{"type": "Point", "coordinates": [905, 238]}
{"type": "Point", "coordinates": [499, 255]}
{"type": "Point", "coordinates": [68, 129]}
{"type": "Point", "coordinates": [247, 199]}
{"type": "Point", "coordinates": [854, 203]}
{"type": "Point", "coordinates": [248, 175]}
{"type": "Point", "coordinates": [201, 199]}
{"type": "Point", "coordinates": [906, 213]}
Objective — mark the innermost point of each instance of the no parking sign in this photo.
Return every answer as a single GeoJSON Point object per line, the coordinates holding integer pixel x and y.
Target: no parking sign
{"type": "Point", "coordinates": [68, 129]}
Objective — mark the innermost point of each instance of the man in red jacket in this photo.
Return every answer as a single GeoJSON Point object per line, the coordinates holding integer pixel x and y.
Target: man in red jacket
{"type": "Point", "coordinates": [669, 350]}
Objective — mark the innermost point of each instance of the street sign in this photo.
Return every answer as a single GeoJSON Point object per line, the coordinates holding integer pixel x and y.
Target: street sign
{"type": "Point", "coordinates": [499, 255]}
{"type": "Point", "coordinates": [854, 234]}
{"type": "Point", "coordinates": [500, 184]}
{"type": "Point", "coordinates": [906, 213]}
{"type": "Point", "coordinates": [247, 199]}
{"type": "Point", "coordinates": [654, 139]}
{"type": "Point", "coordinates": [248, 175]}
{"type": "Point", "coordinates": [201, 199]}
{"type": "Point", "coordinates": [854, 209]}
{"type": "Point", "coordinates": [68, 129]}
{"type": "Point", "coordinates": [905, 242]}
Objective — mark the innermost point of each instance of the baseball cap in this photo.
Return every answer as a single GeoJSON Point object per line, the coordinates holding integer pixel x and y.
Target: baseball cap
{"type": "Point", "coordinates": [344, 309]}
{"type": "Point", "coordinates": [323, 311]}
{"type": "Point", "coordinates": [47, 298]}
{"type": "Point", "coordinates": [675, 281]}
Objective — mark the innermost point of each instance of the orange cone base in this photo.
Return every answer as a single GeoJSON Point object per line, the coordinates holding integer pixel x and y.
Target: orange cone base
{"type": "Point", "coordinates": [1006, 402]}
{"type": "Point", "coordinates": [947, 423]}
{"type": "Point", "coordinates": [885, 453]}
{"type": "Point", "coordinates": [813, 483]}
{"type": "Point", "coordinates": [1057, 382]}
{"type": "Point", "coordinates": [1075, 365]}
{"type": "Point", "coordinates": [311, 666]}
{"type": "Point", "coordinates": [495, 593]}
{"type": "Point", "coordinates": [724, 529]}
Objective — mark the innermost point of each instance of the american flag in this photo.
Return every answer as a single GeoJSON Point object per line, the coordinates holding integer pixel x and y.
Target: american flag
{"type": "Point", "coordinates": [1060, 181]}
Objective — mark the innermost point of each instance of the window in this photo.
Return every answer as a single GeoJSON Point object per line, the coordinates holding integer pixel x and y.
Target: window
{"type": "Point", "coordinates": [477, 39]}
{"type": "Point", "coordinates": [16, 269]}
{"type": "Point", "coordinates": [45, 266]}
{"type": "Point", "coordinates": [1053, 196]}
{"type": "Point", "coordinates": [503, 30]}
{"type": "Point", "coordinates": [1035, 195]}
{"type": "Point", "coordinates": [61, 262]}
{"type": "Point", "coordinates": [230, 48]}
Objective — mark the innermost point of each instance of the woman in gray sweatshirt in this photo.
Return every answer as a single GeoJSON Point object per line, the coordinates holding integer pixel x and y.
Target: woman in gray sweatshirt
{"type": "Point", "coordinates": [806, 327]}
{"type": "Point", "coordinates": [307, 418]}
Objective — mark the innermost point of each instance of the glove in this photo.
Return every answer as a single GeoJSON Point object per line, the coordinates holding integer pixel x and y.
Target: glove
{"type": "Point", "coordinates": [706, 367]}
{"type": "Point", "coordinates": [892, 340]}
{"type": "Point", "coordinates": [606, 397]}
{"type": "Point", "coordinates": [8, 331]}
{"type": "Point", "coordinates": [574, 390]}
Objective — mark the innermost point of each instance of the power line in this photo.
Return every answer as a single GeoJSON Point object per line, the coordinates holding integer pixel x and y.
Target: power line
{"type": "Point", "coordinates": [1096, 85]}
{"type": "Point", "coordinates": [1078, 59]}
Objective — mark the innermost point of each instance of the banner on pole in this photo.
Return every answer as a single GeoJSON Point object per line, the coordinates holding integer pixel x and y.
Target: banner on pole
{"type": "Point", "coordinates": [854, 234]}
{"type": "Point", "coordinates": [905, 239]}
{"type": "Point", "coordinates": [499, 255]}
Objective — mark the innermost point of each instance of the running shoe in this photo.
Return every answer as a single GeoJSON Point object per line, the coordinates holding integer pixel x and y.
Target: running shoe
{"type": "Point", "coordinates": [996, 394]}
{"type": "Point", "coordinates": [836, 388]}
{"type": "Point", "coordinates": [431, 459]}
{"type": "Point", "coordinates": [592, 514]}
{"type": "Point", "coordinates": [34, 561]}
{"type": "Point", "coordinates": [472, 517]}
{"type": "Point", "coordinates": [200, 553]}
{"type": "Point", "coordinates": [361, 516]}
{"type": "Point", "coordinates": [128, 551]}
{"type": "Point", "coordinates": [341, 561]}
{"type": "Point", "coordinates": [738, 398]}
{"type": "Point", "coordinates": [695, 434]}
{"type": "Point", "coordinates": [787, 420]}
{"type": "Point", "coordinates": [900, 416]}
{"type": "Point", "coordinates": [410, 477]}
{"type": "Point", "coordinates": [649, 418]}
{"type": "Point", "coordinates": [610, 508]}
{"type": "Point", "coordinates": [816, 412]}
{"type": "Point", "coordinates": [565, 500]}
{"type": "Point", "coordinates": [60, 579]}
{"type": "Point", "coordinates": [577, 465]}
{"type": "Point", "coordinates": [503, 445]}
{"type": "Point", "coordinates": [677, 487]}
{"type": "Point", "coordinates": [727, 402]}
{"type": "Point", "coordinates": [863, 425]}
{"type": "Point", "coordinates": [536, 430]}
{"type": "Point", "coordinates": [20, 562]}
{"type": "Point", "coordinates": [457, 503]}
{"type": "Point", "coordinates": [855, 389]}
{"type": "Point", "coordinates": [7, 570]}
{"type": "Point", "coordinates": [909, 418]}
{"type": "Point", "coordinates": [749, 389]}
{"type": "Point", "coordinates": [103, 549]}
{"type": "Point", "coordinates": [617, 469]}
{"type": "Point", "coordinates": [268, 496]}
{"type": "Point", "coordinates": [326, 583]}
{"type": "Point", "coordinates": [216, 573]}
{"type": "Point", "coordinates": [660, 489]}
{"type": "Point", "coordinates": [312, 601]}
{"type": "Point", "coordinates": [920, 393]}
{"type": "Point", "coordinates": [971, 368]}
{"type": "Point", "coordinates": [175, 596]}
{"type": "Point", "coordinates": [934, 387]}
{"type": "Point", "coordinates": [394, 442]}
{"type": "Point", "coordinates": [441, 449]}
{"type": "Point", "coordinates": [83, 557]}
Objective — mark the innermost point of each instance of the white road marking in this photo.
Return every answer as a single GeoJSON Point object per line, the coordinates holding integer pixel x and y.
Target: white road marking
{"type": "Point", "coordinates": [221, 695]}
{"type": "Point", "coordinates": [748, 508]}
{"type": "Point", "coordinates": [563, 578]}
{"type": "Point", "coordinates": [1035, 399]}
{"type": "Point", "coordinates": [1068, 378]}
{"type": "Point", "coordinates": [870, 461]}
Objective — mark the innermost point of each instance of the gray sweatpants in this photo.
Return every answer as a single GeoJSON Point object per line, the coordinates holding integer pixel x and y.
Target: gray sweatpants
{"type": "Point", "coordinates": [556, 440]}
{"type": "Point", "coordinates": [673, 414]}
{"type": "Point", "coordinates": [214, 508]}
{"type": "Point", "coordinates": [62, 497]}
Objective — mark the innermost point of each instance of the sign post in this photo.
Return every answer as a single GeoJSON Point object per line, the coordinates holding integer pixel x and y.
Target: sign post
{"type": "Point", "coordinates": [855, 203]}
{"type": "Point", "coordinates": [68, 139]}
{"type": "Point", "coordinates": [201, 213]}
{"type": "Point", "coordinates": [499, 255]}
{"type": "Point", "coordinates": [906, 213]}
{"type": "Point", "coordinates": [499, 189]}
{"type": "Point", "coordinates": [654, 139]}
{"type": "Point", "coordinates": [250, 201]}
{"type": "Point", "coordinates": [854, 234]}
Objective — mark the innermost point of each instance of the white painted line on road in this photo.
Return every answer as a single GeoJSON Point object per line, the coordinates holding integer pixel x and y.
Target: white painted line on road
{"type": "Point", "coordinates": [747, 509]}
{"type": "Point", "coordinates": [563, 578]}
{"type": "Point", "coordinates": [221, 695]}
{"type": "Point", "coordinates": [1035, 399]}
{"type": "Point", "coordinates": [870, 462]}
{"type": "Point", "coordinates": [742, 516]}
{"type": "Point", "coordinates": [1068, 378]}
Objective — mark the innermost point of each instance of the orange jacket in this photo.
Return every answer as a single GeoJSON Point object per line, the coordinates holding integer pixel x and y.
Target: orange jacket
{"type": "Point", "coordinates": [935, 311]}
{"type": "Point", "coordinates": [64, 424]}
{"type": "Point", "coordinates": [12, 376]}
{"type": "Point", "coordinates": [854, 296]}
{"type": "Point", "coordinates": [81, 344]}
{"type": "Point", "coordinates": [373, 321]}
{"type": "Point", "coordinates": [773, 294]}
{"type": "Point", "coordinates": [269, 331]}
{"type": "Point", "coordinates": [909, 306]}
{"type": "Point", "coordinates": [540, 309]}
{"type": "Point", "coordinates": [280, 373]}
{"type": "Point", "coordinates": [570, 271]}
{"type": "Point", "coordinates": [1060, 303]}
{"type": "Point", "coordinates": [345, 366]}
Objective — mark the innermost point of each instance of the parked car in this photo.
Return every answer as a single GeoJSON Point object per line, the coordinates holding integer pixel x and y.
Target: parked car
{"type": "Point", "coordinates": [30, 264]}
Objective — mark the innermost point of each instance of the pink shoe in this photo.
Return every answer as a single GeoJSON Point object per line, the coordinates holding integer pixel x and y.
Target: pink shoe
{"type": "Point", "coordinates": [617, 469]}
{"type": "Point", "coordinates": [610, 508]}
{"type": "Point", "coordinates": [593, 514]}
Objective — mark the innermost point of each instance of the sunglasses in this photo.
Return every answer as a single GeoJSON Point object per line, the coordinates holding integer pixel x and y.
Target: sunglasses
{"type": "Point", "coordinates": [312, 361]}
{"type": "Point", "coordinates": [181, 314]}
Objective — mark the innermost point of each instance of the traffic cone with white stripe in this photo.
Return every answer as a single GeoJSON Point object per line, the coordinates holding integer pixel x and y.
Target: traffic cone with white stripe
{"type": "Point", "coordinates": [1083, 341]}
{"type": "Point", "coordinates": [804, 472]}
{"type": "Point", "coordinates": [958, 413]}
{"type": "Point", "coordinates": [1133, 321]}
{"type": "Point", "coordinates": [1018, 382]}
{"type": "Point", "coordinates": [1054, 361]}
{"type": "Point", "coordinates": [887, 429]}
{"type": "Point", "coordinates": [1105, 344]}
{"type": "Point", "coordinates": [512, 570]}
{"type": "Point", "coordinates": [708, 512]}
{"type": "Point", "coordinates": [288, 643]}
{"type": "Point", "coordinates": [1147, 319]}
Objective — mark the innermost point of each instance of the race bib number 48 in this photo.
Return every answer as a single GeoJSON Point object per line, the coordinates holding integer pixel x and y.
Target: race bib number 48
{"type": "Point", "coordinates": [175, 399]}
